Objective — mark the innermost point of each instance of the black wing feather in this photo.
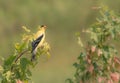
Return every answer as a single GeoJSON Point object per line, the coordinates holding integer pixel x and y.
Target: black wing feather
{"type": "Point", "coordinates": [36, 42]}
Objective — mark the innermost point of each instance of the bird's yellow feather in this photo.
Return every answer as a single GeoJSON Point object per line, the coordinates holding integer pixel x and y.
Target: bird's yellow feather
{"type": "Point", "coordinates": [40, 32]}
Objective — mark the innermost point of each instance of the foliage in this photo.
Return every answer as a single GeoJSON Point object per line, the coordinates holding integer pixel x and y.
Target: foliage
{"type": "Point", "coordinates": [99, 62]}
{"type": "Point", "coordinates": [17, 67]}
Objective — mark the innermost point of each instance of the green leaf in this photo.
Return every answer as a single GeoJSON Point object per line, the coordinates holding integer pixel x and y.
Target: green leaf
{"type": "Point", "coordinates": [94, 36]}
{"type": "Point", "coordinates": [69, 81]}
{"type": "Point", "coordinates": [17, 74]}
{"type": "Point", "coordinates": [81, 56]}
{"type": "Point", "coordinates": [24, 63]}
{"type": "Point", "coordinates": [75, 65]}
{"type": "Point", "coordinates": [9, 61]}
{"type": "Point", "coordinates": [29, 72]}
{"type": "Point", "coordinates": [22, 46]}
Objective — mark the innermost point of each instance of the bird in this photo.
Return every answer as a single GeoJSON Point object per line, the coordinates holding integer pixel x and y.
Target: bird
{"type": "Point", "coordinates": [38, 40]}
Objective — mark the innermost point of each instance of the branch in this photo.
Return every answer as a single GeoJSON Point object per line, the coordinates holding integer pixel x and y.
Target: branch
{"type": "Point", "coordinates": [21, 55]}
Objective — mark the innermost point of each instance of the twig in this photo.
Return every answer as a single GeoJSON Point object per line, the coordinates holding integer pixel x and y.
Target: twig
{"type": "Point", "coordinates": [20, 55]}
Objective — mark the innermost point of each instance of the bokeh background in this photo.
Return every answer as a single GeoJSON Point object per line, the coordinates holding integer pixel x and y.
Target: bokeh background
{"type": "Point", "coordinates": [63, 18]}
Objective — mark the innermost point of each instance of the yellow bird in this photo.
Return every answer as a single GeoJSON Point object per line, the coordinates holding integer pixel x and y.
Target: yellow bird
{"type": "Point", "coordinates": [39, 38]}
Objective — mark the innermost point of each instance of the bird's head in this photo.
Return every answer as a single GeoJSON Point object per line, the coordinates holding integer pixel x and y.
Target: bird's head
{"type": "Point", "coordinates": [43, 26]}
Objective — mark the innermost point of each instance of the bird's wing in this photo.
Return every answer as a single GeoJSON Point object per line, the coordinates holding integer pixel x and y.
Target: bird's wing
{"type": "Point", "coordinates": [36, 42]}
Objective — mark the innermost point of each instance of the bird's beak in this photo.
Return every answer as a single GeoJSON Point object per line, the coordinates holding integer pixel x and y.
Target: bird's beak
{"type": "Point", "coordinates": [44, 26]}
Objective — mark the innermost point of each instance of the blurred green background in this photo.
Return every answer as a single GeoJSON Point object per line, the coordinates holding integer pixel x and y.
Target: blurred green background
{"type": "Point", "coordinates": [63, 18]}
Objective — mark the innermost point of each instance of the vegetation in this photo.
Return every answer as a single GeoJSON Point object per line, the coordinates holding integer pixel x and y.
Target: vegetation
{"type": "Point", "coordinates": [100, 62]}
{"type": "Point", "coordinates": [17, 67]}
{"type": "Point", "coordinates": [64, 18]}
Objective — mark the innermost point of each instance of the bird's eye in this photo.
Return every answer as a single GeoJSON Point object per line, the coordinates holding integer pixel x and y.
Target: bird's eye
{"type": "Point", "coordinates": [42, 25]}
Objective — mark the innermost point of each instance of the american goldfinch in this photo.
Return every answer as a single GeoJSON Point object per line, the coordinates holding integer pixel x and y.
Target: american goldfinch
{"type": "Point", "coordinates": [39, 38]}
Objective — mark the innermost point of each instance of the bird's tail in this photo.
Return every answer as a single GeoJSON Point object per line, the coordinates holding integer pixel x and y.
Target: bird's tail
{"type": "Point", "coordinates": [33, 56]}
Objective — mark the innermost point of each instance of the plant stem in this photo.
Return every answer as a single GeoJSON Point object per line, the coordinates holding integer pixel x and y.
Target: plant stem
{"type": "Point", "coordinates": [21, 55]}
